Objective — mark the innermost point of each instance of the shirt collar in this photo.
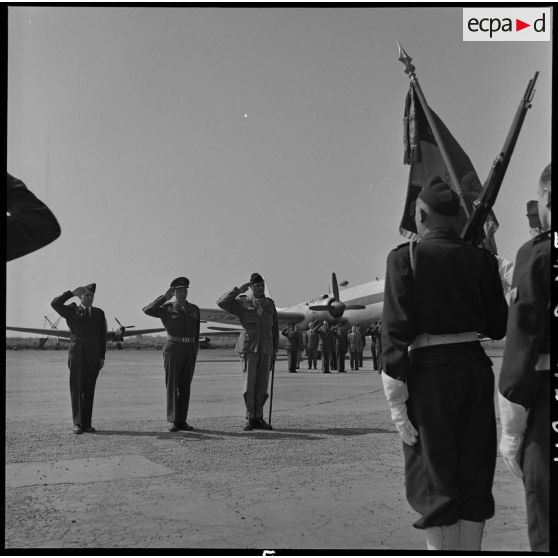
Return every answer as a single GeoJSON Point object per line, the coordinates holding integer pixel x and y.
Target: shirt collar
{"type": "Point", "coordinates": [441, 233]}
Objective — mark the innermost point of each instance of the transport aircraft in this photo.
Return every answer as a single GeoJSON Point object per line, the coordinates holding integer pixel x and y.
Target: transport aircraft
{"type": "Point", "coordinates": [359, 305]}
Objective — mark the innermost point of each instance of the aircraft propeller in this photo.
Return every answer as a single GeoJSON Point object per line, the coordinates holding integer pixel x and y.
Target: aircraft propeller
{"type": "Point", "coordinates": [334, 306]}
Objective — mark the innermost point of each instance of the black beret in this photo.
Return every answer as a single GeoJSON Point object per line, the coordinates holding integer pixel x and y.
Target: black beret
{"type": "Point", "coordinates": [91, 287]}
{"type": "Point", "coordinates": [256, 278]}
{"type": "Point", "coordinates": [439, 196]}
{"type": "Point", "coordinates": [533, 214]}
{"type": "Point", "coordinates": [180, 282]}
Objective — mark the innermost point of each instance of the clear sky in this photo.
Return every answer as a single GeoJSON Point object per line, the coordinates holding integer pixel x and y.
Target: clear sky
{"type": "Point", "coordinates": [214, 142]}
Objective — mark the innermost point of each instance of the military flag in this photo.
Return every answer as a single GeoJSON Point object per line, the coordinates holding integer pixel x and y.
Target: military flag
{"type": "Point", "coordinates": [436, 153]}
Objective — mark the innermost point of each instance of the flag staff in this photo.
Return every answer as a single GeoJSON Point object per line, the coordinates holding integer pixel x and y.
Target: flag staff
{"type": "Point", "coordinates": [405, 59]}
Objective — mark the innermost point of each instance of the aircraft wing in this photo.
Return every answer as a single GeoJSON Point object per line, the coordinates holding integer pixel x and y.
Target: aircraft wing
{"type": "Point", "coordinates": [222, 317]}
{"type": "Point", "coordinates": [54, 332]}
{"type": "Point", "coordinates": [131, 332]}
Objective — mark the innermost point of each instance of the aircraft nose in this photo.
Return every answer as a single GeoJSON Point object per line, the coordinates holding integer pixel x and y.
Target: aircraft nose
{"type": "Point", "coordinates": [336, 308]}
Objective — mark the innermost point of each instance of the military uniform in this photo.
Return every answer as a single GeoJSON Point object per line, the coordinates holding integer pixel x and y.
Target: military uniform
{"type": "Point", "coordinates": [87, 348]}
{"type": "Point", "coordinates": [260, 346]}
{"type": "Point", "coordinates": [341, 344]}
{"type": "Point", "coordinates": [355, 347]}
{"type": "Point", "coordinates": [525, 377]}
{"type": "Point", "coordinates": [325, 346]}
{"type": "Point", "coordinates": [312, 343]}
{"type": "Point", "coordinates": [431, 316]}
{"type": "Point", "coordinates": [373, 346]}
{"type": "Point", "coordinates": [293, 347]}
{"type": "Point", "coordinates": [182, 322]}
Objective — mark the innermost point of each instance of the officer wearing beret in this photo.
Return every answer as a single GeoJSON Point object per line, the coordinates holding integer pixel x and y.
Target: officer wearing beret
{"type": "Point", "coordinates": [258, 317]}
{"type": "Point", "coordinates": [181, 319]}
{"type": "Point", "coordinates": [439, 294]}
{"type": "Point", "coordinates": [525, 376]}
{"type": "Point", "coordinates": [86, 356]}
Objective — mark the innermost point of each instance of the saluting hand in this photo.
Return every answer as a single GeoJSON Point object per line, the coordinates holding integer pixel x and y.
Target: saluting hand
{"type": "Point", "coordinates": [169, 294]}
{"type": "Point", "coordinates": [243, 288]}
{"type": "Point", "coordinates": [78, 291]}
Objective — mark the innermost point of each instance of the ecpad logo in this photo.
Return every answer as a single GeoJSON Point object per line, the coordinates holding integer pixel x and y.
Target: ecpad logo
{"type": "Point", "coordinates": [506, 24]}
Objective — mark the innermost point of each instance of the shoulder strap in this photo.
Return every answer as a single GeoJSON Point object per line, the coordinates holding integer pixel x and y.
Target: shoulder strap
{"type": "Point", "coordinates": [412, 256]}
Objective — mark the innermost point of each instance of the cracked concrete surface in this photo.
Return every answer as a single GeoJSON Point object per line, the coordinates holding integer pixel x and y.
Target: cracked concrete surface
{"type": "Point", "coordinates": [330, 476]}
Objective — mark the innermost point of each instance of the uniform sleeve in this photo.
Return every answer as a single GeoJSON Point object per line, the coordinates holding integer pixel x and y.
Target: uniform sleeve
{"type": "Point", "coordinates": [275, 331]}
{"type": "Point", "coordinates": [58, 304]}
{"type": "Point", "coordinates": [526, 336]}
{"type": "Point", "coordinates": [198, 328]}
{"type": "Point", "coordinates": [103, 337]}
{"type": "Point", "coordinates": [398, 321]}
{"type": "Point", "coordinates": [30, 224]}
{"type": "Point", "coordinates": [495, 301]}
{"type": "Point", "coordinates": [229, 303]}
{"type": "Point", "coordinates": [155, 309]}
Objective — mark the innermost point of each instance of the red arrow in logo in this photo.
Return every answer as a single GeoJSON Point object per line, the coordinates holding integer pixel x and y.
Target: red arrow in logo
{"type": "Point", "coordinates": [519, 25]}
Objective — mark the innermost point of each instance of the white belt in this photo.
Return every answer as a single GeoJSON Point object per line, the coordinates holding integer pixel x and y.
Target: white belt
{"type": "Point", "coordinates": [427, 339]}
{"type": "Point", "coordinates": [543, 362]}
{"type": "Point", "coordinates": [181, 339]}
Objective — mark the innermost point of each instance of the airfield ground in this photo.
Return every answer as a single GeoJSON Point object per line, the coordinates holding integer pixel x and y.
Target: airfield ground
{"type": "Point", "coordinates": [330, 476]}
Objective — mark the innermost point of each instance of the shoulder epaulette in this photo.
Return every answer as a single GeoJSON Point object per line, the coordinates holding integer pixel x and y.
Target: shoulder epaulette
{"type": "Point", "coordinates": [402, 245]}
{"type": "Point", "coordinates": [543, 236]}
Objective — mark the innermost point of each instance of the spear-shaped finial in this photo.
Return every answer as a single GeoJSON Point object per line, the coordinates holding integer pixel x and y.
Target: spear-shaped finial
{"type": "Point", "coordinates": [405, 59]}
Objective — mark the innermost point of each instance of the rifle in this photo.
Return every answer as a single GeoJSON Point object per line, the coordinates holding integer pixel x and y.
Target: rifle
{"type": "Point", "coordinates": [473, 231]}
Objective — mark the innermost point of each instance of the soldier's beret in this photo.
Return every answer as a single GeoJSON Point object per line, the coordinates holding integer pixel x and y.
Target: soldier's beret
{"type": "Point", "coordinates": [533, 214]}
{"type": "Point", "coordinates": [256, 278]}
{"type": "Point", "coordinates": [439, 196]}
{"type": "Point", "coordinates": [91, 287]}
{"type": "Point", "coordinates": [180, 282]}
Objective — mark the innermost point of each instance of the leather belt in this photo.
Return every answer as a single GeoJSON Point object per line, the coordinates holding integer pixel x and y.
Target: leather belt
{"type": "Point", "coordinates": [181, 339]}
{"type": "Point", "coordinates": [543, 362]}
{"type": "Point", "coordinates": [427, 339]}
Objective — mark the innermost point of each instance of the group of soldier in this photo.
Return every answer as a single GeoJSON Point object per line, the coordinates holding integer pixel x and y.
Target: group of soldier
{"type": "Point", "coordinates": [330, 345]}
{"type": "Point", "coordinates": [440, 294]}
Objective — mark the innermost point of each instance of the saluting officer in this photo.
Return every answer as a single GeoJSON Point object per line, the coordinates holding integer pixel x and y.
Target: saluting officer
{"type": "Point", "coordinates": [86, 356]}
{"type": "Point", "coordinates": [258, 316]}
{"type": "Point", "coordinates": [341, 343]}
{"type": "Point", "coordinates": [525, 376]}
{"type": "Point", "coordinates": [326, 343]}
{"type": "Point", "coordinates": [293, 345]}
{"type": "Point", "coordinates": [181, 319]}
{"type": "Point", "coordinates": [437, 379]}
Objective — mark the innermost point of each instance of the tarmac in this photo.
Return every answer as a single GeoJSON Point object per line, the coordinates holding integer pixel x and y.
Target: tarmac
{"type": "Point", "coordinates": [328, 477]}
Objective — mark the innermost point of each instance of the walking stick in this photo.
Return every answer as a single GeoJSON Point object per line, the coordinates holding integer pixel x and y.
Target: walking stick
{"type": "Point", "coordinates": [271, 393]}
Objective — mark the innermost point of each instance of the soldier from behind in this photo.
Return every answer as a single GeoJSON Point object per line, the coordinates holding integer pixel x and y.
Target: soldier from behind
{"type": "Point", "coordinates": [181, 319]}
{"type": "Point", "coordinates": [312, 343]}
{"type": "Point", "coordinates": [293, 345]}
{"type": "Point", "coordinates": [355, 347]}
{"type": "Point", "coordinates": [86, 356]}
{"type": "Point", "coordinates": [439, 294]}
{"type": "Point", "coordinates": [525, 376]}
{"type": "Point", "coordinates": [30, 224]}
{"type": "Point", "coordinates": [258, 317]}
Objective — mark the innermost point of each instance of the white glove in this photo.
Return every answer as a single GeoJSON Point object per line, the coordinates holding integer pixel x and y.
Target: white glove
{"type": "Point", "coordinates": [396, 395]}
{"type": "Point", "coordinates": [513, 419]}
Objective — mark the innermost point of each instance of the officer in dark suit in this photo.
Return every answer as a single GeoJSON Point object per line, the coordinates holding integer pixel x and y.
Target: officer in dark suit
{"type": "Point", "coordinates": [181, 319]}
{"type": "Point", "coordinates": [293, 345]}
{"type": "Point", "coordinates": [525, 376]}
{"type": "Point", "coordinates": [313, 340]}
{"type": "Point", "coordinates": [30, 224]}
{"type": "Point", "coordinates": [326, 344]}
{"type": "Point", "coordinates": [86, 356]}
{"type": "Point", "coordinates": [439, 294]}
{"type": "Point", "coordinates": [341, 343]}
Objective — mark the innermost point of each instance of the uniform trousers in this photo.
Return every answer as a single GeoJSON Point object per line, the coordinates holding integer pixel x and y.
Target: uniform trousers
{"type": "Point", "coordinates": [374, 357]}
{"type": "Point", "coordinates": [333, 359]}
{"type": "Point", "coordinates": [535, 466]}
{"type": "Point", "coordinates": [256, 378]}
{"type": "Point", "coordinates": [83, 362]}
{"type": "Point", "coordinates": [326, 356]}
{"type": "Point", "coordinates": [293, 359]}
{"type": "Point", "coordinates": [179, 360]}
{"type": "Point", "coordinates": [354, 360]}
{"type": "Point", "coordinates": [312, 357]}
{"type": "Point", "coordinates": [340, 359]}
{"type": "Point", "coordinates": [450, 470]}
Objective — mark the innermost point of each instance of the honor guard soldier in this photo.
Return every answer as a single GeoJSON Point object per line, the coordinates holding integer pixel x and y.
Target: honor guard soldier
{"type": "Point", "coordinates": [86, 356]}
{"type": "Point", "coordinates": [258, 317]}
{"type": "Point", "coordinates": [293, 345]}
{"type": "Point", "coordinates": [181, 319]}
{"type": "Point", "coordinates": [439, 294]}
{"type": "Point", "coordinates": [525, 376]}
